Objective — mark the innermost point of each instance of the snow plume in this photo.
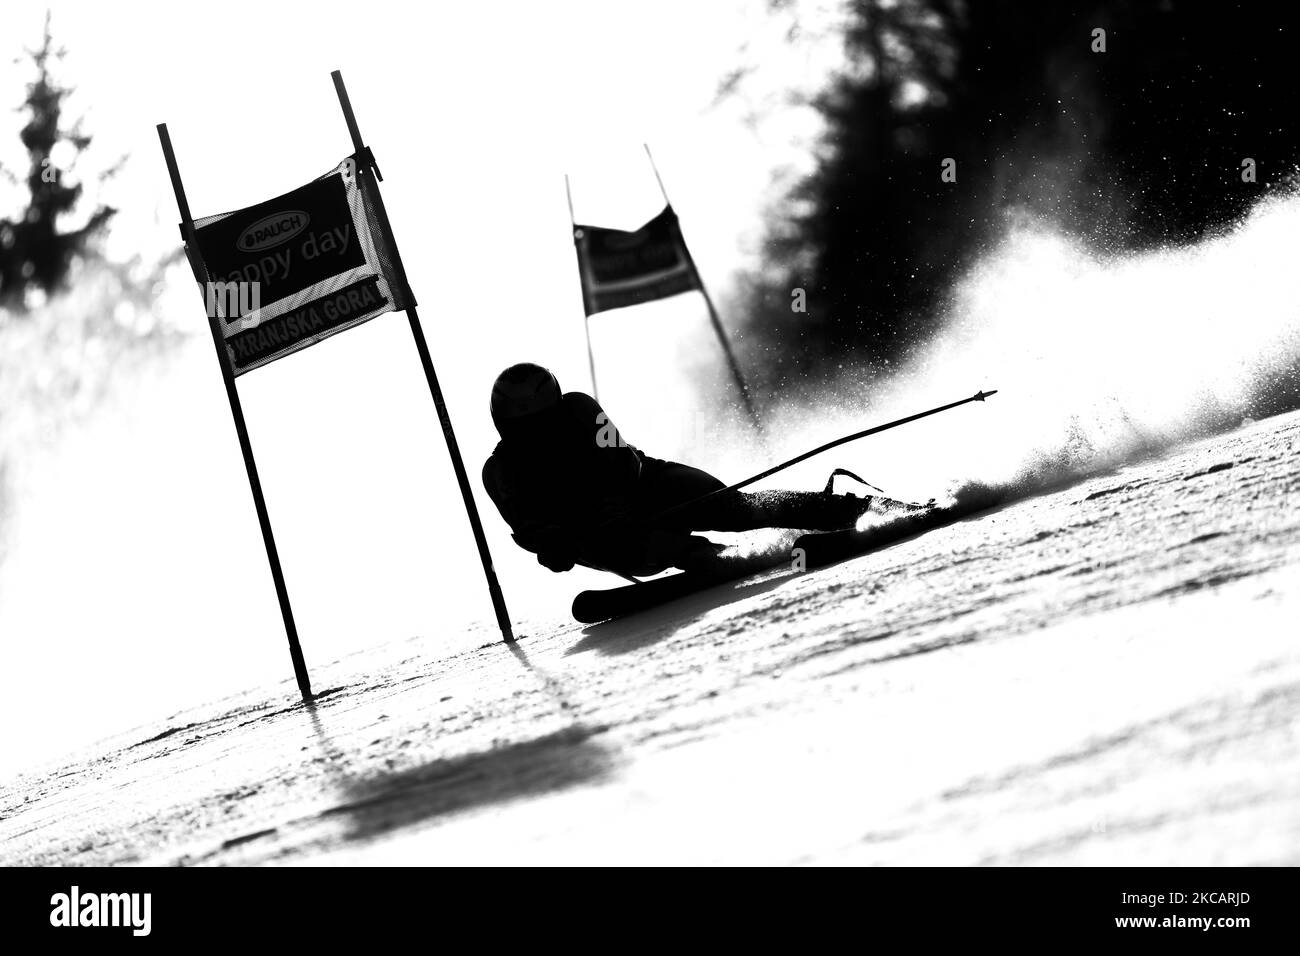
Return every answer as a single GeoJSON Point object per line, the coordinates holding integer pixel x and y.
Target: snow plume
{"type": "Point", "coordinates": [1097, 358]}
{"type": "Point", "coordinates": [756, 551]}
{"type": "Point", "coordinates": [1101, 358]}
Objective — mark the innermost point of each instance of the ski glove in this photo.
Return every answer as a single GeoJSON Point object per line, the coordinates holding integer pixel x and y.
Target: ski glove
{"type": "Point", "coordinates": [554, 546]}
{"type": "Point", "coordinates": [557, 561]}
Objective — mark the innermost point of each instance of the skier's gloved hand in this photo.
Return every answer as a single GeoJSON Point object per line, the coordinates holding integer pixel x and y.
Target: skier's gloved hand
{"type": "Point", "coordinates": [557, 561]}
{"type": "Point", "coordinates": [555, 549]}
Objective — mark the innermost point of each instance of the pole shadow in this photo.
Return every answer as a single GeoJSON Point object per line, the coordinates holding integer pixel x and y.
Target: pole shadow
{"type": "Point", "coordinates": [382, 804]}
{"type": "Point", "coordinates": [377, 804]}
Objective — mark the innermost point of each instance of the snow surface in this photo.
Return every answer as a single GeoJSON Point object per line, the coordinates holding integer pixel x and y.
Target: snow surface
{"type": "Point", "coordinates": [1104, 674]}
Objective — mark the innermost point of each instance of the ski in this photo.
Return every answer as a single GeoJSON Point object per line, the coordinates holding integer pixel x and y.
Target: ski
{"type": "Point", "coordinates": [603, 604]}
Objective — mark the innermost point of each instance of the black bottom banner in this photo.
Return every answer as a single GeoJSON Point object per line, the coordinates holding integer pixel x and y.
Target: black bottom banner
{"type": "Point", "coordinates": [1168, 908]}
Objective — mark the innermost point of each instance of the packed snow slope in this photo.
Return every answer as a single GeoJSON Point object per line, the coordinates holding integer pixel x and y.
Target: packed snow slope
{"type": "Point", "coordinates": [1106, 673]}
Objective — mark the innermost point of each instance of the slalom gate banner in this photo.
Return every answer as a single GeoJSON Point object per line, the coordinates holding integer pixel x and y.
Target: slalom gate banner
{"type": "Point", "coordinates": [619, 268]}
{"type": "Point", "coordinates": [294, 270]}
{"type": "Point", "coordinates": [286, 273]}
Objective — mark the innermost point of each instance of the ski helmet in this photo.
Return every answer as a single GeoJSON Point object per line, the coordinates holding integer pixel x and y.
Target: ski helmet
{"type": "Point", "coordinates": [523, 389]}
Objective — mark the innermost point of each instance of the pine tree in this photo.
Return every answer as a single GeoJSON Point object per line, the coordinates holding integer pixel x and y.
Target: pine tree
{"type": "Point", "coordinates": [34, 253]}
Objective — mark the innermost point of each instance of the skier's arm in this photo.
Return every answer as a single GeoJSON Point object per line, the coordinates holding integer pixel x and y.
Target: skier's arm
{"type": "Point", "coordinates": [552, 544]}
{"type": "Point", "coordinates": [617, 465]}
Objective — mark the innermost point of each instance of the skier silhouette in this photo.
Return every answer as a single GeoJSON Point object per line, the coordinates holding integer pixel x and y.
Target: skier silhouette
{"type": "Point", "coordinates": [574, 493]}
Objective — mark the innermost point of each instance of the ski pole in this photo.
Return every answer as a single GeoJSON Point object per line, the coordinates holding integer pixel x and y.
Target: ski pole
{"type": "Point", "coordinates": [977, 397]}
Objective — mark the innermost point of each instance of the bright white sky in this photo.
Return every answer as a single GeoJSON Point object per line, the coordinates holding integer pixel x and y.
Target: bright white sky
{"type": "Point", "coordinates": [136, 581]}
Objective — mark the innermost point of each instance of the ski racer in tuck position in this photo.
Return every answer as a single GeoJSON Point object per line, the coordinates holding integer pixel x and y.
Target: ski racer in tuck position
{"type": "Point", "coordinates": [571, 495]}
